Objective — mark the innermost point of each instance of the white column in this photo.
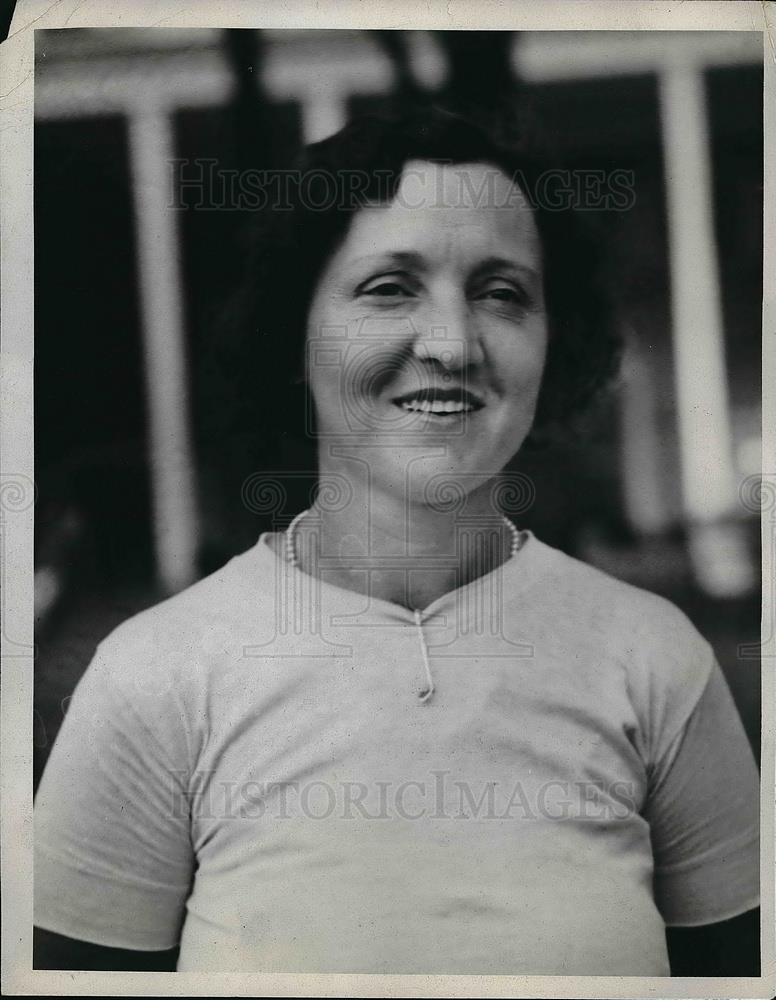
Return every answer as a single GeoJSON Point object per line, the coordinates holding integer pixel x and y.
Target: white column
{"type": "Point", "coordinates": [323, 114]}
{"type": "Point", "coordinates": [172, 467]}
{"type": "Point", "coordinates": [705, 435]}
{"type": "Point", "coordinates": [641, 451]}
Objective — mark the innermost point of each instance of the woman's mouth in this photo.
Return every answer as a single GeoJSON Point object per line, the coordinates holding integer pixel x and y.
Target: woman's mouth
{"type": "Point", "coordinates": [439, 402]}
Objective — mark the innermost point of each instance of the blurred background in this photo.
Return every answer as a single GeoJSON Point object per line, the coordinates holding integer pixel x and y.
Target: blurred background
{"type": "Point", "coordinates": [139, 241]}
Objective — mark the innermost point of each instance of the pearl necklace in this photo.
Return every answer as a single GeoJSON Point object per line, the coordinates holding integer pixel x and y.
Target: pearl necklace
{"type": "Point", "coordinates": [291, 557]}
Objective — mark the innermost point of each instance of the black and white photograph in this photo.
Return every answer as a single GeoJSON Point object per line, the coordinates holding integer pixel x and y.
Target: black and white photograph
{"type": "Point", "coordinates": [398, 504]}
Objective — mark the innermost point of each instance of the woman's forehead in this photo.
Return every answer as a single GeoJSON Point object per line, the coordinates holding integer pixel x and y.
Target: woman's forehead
{"type": "Point", "coordinates": [449, 209]}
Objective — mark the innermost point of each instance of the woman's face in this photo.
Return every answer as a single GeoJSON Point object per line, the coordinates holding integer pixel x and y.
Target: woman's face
{"type": "Point", "coordinates": [427, 331]}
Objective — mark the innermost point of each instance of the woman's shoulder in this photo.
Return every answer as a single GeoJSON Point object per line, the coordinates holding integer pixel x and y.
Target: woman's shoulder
{"type": "Point", "coordinates": [616, 626]}
{"type": "Point", "coordinates": [591, 594]}
{"type": "Point", "coordinates": [195, 625]}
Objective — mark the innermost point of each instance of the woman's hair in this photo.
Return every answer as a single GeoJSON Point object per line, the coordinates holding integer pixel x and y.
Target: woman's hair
{"type": "Point", "coordinates": [307, 215]}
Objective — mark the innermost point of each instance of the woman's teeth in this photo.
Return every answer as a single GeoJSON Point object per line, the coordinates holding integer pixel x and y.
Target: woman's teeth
{"type": "Point", "coordinates": [426, 406]}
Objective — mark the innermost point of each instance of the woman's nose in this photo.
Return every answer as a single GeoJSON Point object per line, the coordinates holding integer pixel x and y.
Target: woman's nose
{"type": "Point", "coordinates": [446, 332]}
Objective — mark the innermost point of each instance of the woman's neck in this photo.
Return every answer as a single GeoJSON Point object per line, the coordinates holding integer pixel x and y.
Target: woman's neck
{"type": "Point", "coordinates": [401, 550]}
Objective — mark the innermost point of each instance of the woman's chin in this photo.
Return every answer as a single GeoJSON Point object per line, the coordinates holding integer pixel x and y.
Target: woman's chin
{"type": "Point", "coordinates": [434, 481]}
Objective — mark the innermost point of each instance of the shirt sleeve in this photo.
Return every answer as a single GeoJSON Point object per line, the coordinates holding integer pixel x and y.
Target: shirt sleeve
{"type": "Point", "coordinates": [113, 855]}
{"type": "Point", "coordinates": [703, 811]}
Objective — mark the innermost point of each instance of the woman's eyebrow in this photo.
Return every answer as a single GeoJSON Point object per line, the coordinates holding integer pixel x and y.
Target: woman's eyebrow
{"type": "Point", "coordinates": [393, 258]}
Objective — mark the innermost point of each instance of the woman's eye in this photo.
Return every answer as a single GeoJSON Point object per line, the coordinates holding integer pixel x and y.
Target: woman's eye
{"type": "Point", "coordinates": [503, 293]}
{"type": "Point", "coordinates": [505, 298]}
{"type": "Point", "coordinates": [395, 285]}
{"type": "Point", "coordinates": [386, 289]}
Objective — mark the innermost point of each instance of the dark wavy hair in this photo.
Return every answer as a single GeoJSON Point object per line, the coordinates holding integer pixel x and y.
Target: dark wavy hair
{"type": "Point", "coordinates": [307, 215]}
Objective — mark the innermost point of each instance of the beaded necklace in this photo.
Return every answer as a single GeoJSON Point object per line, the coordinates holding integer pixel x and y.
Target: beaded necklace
{"type": "Point", "coordinates": [291, 557]}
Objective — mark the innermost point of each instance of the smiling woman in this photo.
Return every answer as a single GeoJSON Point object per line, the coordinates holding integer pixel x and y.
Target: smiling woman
{"type": "Point", "coordinates": [403, 736]}
{"type": "Point", "coordinates": [436, 299]}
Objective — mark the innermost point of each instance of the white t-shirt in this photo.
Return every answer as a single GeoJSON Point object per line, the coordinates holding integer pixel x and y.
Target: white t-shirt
{"type": "Point", "coordinates": [251, 769]}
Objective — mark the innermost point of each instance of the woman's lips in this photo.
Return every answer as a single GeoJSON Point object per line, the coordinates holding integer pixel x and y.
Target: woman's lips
{"type": "Point", "coordinates": [439, 401]}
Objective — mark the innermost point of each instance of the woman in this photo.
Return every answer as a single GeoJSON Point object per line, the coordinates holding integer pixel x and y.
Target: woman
{"type": "Point", "coordinates": [403, 736]}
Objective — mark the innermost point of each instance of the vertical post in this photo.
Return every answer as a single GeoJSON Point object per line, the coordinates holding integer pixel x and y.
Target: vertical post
{"type": "Point", "coordinates": [641, 451]}
{"type": "Point", "coordinates": [323, 114]}
{"type": "Point", "coordinates": [172, 469]}
{"type": "Point", "coordinates": [717, 547]}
